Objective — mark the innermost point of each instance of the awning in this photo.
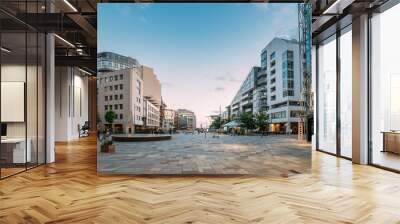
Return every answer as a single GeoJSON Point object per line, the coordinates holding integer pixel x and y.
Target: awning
{"type": "Point", "coordinates": [232, 124]}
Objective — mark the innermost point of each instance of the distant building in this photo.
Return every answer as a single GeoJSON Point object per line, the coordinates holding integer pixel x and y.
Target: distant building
{"type": "Point", "coordinates": [109, 61]}
{"type": "Point", "coordinates": [122, 92]}
{"type": "Point", "coordinates": [152, 86]}
{"type": "Point", "coordinates": [186, 119]}
{"type": "Point", "coordinates": [169, 119]}
{"type": "Point", "coordinates": [129, 89]}
{"type": "Point", "coordinates": [163, 106]}
{"type": "Point", "coordinates": [151, 114]}
{"type": "Point", "coordinates": [243, 100]}
{"type": "Point", "coordinates": [212, 118]}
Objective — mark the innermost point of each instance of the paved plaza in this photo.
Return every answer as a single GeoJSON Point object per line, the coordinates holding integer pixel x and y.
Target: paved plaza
{"type": "Point", "coordinates": [199, 155]}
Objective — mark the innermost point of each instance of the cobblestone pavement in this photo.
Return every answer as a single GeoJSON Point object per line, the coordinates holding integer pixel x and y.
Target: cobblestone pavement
{"type": "Point", "coordinates": [196, 155]}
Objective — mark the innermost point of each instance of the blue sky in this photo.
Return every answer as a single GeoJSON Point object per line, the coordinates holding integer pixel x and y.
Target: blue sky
{"type": "Point", "coordinates": [200, 52]}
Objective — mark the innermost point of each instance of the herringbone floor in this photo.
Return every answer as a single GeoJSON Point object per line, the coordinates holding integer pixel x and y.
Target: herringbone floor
{"type": "Point", "coordinates": [70, 191]}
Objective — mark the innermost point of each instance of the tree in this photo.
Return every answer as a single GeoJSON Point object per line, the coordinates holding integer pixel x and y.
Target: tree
{"type": "Point", "coordinates": [110, 116]}
{"type": "Point", "coordinates": [261, 121]}
{"type": "Point", "coordinates": [217, 123]}
{"type": "Point", "coordinates": [247, 120]}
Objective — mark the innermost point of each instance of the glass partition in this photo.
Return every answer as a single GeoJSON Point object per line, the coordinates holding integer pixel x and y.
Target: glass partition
{"type": "Point", "coordinates": [346, 93]}
{"type": "Point", "coordinates": [385, 89]}
{"type": "Point", "coordinates": [14, 153]}
{"type": "Point", "coordinates": [327, 95]}
{"type": "Point", "coordinates": [22, 88]}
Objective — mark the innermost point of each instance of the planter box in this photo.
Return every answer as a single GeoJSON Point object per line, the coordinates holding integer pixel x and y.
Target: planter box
{"type": "Point", "coordinates": [108, 148]}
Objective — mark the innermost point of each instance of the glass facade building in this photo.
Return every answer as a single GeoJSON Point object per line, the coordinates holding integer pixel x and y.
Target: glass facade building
{"type": "Point", "coordinates": [109, 61]}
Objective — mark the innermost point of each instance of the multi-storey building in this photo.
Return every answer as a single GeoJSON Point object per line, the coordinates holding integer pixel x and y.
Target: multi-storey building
{"type": "Point", "coordinates": [151, 113]}
{"type": "Point", "coordinates": [284, 84]}
{"type": "Point", "coordinates": [142, 100]}
{"type": "Point", "coordinates": [152, 86]}
{"type": "Point", "coordinates": [243, 100]}
{"type": "Point", "coordinates": [186, 119]}
{"type": "Point", "coordinates": [274, 88]}
{"type": "Point", "coordinates": [169, 119]}
{"type": "Point", "coordinates": [122, 92]}
{"type": "Point", "coordinates": [109, 61]}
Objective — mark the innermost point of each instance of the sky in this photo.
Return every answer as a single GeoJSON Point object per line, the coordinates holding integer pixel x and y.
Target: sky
{"type": "Point", "coordinates": [201, 53]}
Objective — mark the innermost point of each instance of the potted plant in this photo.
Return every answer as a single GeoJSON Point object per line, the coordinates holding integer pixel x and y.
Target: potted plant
{"type": "Point", "coordinates": [108, 147]}
{"type": "Point", "coordinates": [110, 116]}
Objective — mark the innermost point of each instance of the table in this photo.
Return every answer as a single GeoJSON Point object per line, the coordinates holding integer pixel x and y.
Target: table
{"type": "Point", "coordinates": [391, 141]}
{"type": "Point", "coordinates": [13, 150]}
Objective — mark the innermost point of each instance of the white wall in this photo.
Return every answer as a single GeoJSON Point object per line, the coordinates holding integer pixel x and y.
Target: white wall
{"type": "Point", "coordinates": [71, 103]}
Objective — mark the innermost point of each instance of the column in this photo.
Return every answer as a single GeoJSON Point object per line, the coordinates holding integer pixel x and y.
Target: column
{"type": "Point", "coordinates": [360, 90]}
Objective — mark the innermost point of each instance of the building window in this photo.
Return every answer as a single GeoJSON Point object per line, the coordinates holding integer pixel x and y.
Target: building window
{"type": "Point", "coordinates": [116, 87]}
{"type": "Point", "coordinates": [296, 113]}
{"type": "Point", "coordinates": [273, 98]}
{"type": "Point", "coordinates": [278, 115]}
{"type": "Point", "coordinates": [273, 89]}
{"type": "Point", "coordinates": [138, 87]}
{"type": "Point", "coordinates": [273, 72]}
{"type": "Point", "coordinates": [111, 88]}
{"type": "Point", "coordinates": [288, 93]}
{"type": "Point", "coordinates": [120, 86]}
{"type": "Point", "coordinates": [290, 74]}
{"type": "Point", "coordinates": [115, 106]}
{"type": "Point", "coordinates": [121, 96]}
{"type": "Point", "coordinates": [116, 97]}
{"type": "Point", "coordinates": [121, 116]}
{"type": "Point", "coordinates": [290, 84]}
{"type": "Point", "coordinates": [120, 106]}
{"type": "Point", "coordinates": [111, 97]}
{"type": "Point", "coordinates": [272, 56]}
{"type": "Point", "coordinates": [115, 77]}
{"type": "Point", "coordinates": [273, 81]}
{"type": "Point", "coordinates": [272, 64]}
{"type": "Point", "coordinates": [121, 76]}
{"type": "Point", "coordinates": [105, 98]}
{"type": "Point", "coordinates": [105, 107]}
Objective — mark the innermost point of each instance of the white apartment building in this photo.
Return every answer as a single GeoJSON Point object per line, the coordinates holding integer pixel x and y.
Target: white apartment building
{"type": "Point", "coordinates": [284, 81]}
{"type": "Point", "coordinates": [243, 100]}
{"type": "Point", "coordinates": [122, 92]}
{"type": "Point", "coordinates": [151, 114]}
{"type": "Point", "coordinates": [274, 88]}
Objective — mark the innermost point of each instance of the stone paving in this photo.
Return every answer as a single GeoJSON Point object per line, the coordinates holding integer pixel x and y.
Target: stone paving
{"type": "Point", "coordinates": [187, 154]}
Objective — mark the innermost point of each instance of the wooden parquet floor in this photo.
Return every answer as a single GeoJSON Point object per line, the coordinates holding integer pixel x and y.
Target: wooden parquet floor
{"type": "Point", "coordinates": [70, 191]}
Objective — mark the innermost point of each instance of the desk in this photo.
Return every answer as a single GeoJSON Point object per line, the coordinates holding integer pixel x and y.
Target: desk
{"type": "Point", "coordinates": [13, 150]}
{"type": "Point", "coordinates": [391, 141]}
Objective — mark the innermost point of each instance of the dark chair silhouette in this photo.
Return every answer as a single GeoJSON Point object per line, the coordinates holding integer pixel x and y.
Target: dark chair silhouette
{"type": "Point", "coordinates": [84, 130]}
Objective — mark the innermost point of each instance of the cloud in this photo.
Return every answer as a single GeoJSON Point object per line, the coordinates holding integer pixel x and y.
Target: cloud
{"type": "Point", "coordinates": [219, 89]}
{"type": "Point", "coordinates": [233, 79]}
{"type": "Point", "coordinates": [227, 77]}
